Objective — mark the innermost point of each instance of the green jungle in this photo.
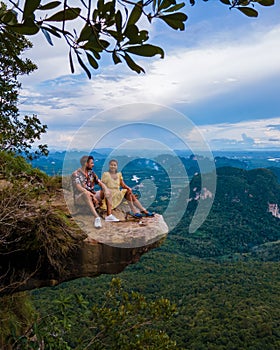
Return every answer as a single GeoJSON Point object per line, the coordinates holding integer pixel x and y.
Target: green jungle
{"type": "Point", "coordinates": [216, 288]}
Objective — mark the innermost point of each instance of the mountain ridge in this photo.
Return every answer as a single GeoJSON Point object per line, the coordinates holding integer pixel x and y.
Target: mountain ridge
{"type": "Point", "coordinates": [239, 219]}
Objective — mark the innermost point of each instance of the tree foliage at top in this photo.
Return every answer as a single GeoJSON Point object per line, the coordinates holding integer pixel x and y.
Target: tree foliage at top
{"type": "Point", "coordinates": [113, 26]}
{"type": "Point", "coordinates": [16, 134]}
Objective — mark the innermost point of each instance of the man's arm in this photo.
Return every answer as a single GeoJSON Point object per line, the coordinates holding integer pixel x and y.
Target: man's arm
{"type": "Point", "coordinates": [77, 182]}
{"type": "Point", "coordinates": [80, 188]}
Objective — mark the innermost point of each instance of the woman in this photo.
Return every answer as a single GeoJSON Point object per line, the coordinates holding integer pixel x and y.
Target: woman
{"type": "Point", "coordinates": [114, 180]}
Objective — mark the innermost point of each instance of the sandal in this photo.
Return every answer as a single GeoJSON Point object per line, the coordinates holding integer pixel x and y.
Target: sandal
{"type": "Point", "coordinates": [135, 215]}
{"type": "Point", "coordinates": [148, 214]}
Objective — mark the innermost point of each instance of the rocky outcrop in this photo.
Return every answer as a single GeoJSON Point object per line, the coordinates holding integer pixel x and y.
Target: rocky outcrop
{"type": "Point", "coordinates": [48, 255]}
{"type": "Point", "coordinates": [91, 259]}
{"type": "Point", "coordinates": [127, 233]}
{"type": "Point", "coordinates": [274, 210]}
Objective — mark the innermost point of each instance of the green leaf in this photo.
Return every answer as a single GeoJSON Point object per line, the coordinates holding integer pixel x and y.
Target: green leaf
{"type": "Point", "coordinates": [119, 21]}
{"type": "Point", "coordinates": [135, 13]}
{"type": "Point", "coordinates": [175, 20]}
{"type": "Point", "coordinates": [165, 4]}
{"type": "Point", "coordinates": [100, 5]}
{"type": "Point", "coordinates": [132, 65]}
{"type": "Point", "coordinates": [103, 43]}
{"type": "Point", "coordinates": [154, 5]}
{"type": "Point", "coordinates": [93, 47]}
{"type": "Point", "coordinates": [243, 3]}
{"type": "Point", "coordinates": [108, 11]}
{"type": "Point", "coordinates": [47, 36]}
{"type": "Point", "coordinates": [81, 63]}
{"type": "Point", "coordinates": [114, 34]}
{"type": "Point", "coordinates": [29, 7]}
{"type": "Point", "coordinates": [175, 7]}
{"type": "Point", "coordinates": [116, 58]}
{"type": "Point", "coordinates": [67, 15]}
{"type": "Point", "coordinates": [86, 32]}
{"type": "Point", "coordinates": [95, 15]}
{"type": "Point", "coordinates": [25, 29]}
{"type": "Point", "coordinates": [92, 61]}
{"type": "Point", "coordinates": [146, 50]}
{"type": "Point", "coordinates": [134, 36]}
{"type": "Point", "coordinates": [50, 5]}
{"type": "Point", "coordinates": [9, 18]}
{"type": "Point", "coordinates": [96, 54]}
{"type": "Point", "coordinates": [143, 36]}
{"type": "Point", "coordinates": [71, 62]}
{"type": "Point", "coordinates": [266, 2]}
{"type": "Point", "coordinates": [56, 29]}
{"type": "Point", "coordinates": [52, 31]}
{"type": "Point", "coordinates": [226, 2]}
{"type": "Point", "coordinates": [132, 33]}
{"type": "Point", "coordinates": [248, 11]}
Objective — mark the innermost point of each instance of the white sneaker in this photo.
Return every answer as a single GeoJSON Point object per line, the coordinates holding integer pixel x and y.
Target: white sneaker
{"type": "Point", "coordinates": [97, 222]}
{"type": "Point", "coordinates": [111, 217]}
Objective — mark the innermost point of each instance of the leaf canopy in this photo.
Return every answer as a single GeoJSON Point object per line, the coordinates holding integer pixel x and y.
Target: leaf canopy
{"type": "Point", "coordinates": [115, 27]}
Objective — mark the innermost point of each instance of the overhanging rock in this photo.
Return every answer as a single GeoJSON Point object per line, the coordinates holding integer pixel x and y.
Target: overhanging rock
{"type": "Point", "coordinates": [97, 251]}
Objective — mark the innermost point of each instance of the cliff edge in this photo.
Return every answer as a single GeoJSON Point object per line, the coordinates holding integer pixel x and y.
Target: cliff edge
{"type": "Point", "coordinates": [42, 243]}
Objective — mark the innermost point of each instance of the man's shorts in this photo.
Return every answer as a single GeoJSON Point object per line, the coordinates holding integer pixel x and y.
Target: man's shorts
{"type": "Point", "coordinates": [80, 200]}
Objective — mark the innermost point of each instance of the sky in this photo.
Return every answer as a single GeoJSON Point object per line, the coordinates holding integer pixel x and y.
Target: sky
{"type": "Point", "coordinates": [217, 88]}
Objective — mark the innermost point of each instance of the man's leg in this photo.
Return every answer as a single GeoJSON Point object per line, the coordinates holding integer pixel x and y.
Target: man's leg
{"type": "Point", "coordinates": [86, 198]}
{"type": "Point", "coordinates": [89, 201]}
{"type": "Point", "coordinates": [108, 200]}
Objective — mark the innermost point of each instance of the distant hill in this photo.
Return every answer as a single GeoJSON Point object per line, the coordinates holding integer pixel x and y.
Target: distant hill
{"type": "Point", "coordinates": [276, 171]}
{"type": "Point", "coordinates": [54, 163]}
{"type": "Point", "coordinates": [236, 163]}
{"type": "Point", "coordinates": [239, 220]}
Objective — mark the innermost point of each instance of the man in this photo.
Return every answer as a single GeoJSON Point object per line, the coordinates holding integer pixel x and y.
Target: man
{"type": "Point", "coordinates": [84, 180]}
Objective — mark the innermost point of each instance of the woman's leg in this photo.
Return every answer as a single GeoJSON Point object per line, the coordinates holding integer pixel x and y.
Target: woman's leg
{"type": "Point", "coordinates": [129, 198]}
{"type": "Point", "coordinates": [138, 204]}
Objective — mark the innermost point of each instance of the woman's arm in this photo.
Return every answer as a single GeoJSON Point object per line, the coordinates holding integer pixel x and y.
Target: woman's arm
{"type": "Point", "coordinates": [124, 185]}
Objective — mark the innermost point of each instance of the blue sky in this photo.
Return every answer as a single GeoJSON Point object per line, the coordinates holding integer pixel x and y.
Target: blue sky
{"type": "Point", "coordinates": [222, 74]}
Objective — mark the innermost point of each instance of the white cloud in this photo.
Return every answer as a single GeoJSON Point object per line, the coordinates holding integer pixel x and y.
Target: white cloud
{"type": "Point", "coordinates": [186, 76]}
{"type": "Point", "coordinates": [258, 134]}
{"type": "Point", "coordinates": [253, 134]}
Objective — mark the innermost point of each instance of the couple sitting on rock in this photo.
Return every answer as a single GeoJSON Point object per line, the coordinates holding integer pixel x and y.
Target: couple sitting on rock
{"type": "Point", "coordinates": [110, 195]}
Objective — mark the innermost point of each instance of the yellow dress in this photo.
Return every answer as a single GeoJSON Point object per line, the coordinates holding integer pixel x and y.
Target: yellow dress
{"type": "Point", "coordinates": [114, 186]}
